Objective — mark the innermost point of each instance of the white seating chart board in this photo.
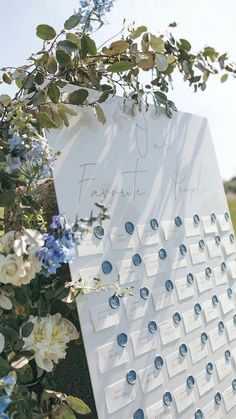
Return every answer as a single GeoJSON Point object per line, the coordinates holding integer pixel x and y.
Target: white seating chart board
{"type": "Point", "coordinates": [168, 351]}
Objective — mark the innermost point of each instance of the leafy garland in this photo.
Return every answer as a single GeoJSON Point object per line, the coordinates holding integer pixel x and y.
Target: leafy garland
{"type": "Point", "coordinates": [33, 337]}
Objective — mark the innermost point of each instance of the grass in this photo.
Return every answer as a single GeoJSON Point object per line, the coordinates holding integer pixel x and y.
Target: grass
{"type": "Point", "coordinates": [231, 198]}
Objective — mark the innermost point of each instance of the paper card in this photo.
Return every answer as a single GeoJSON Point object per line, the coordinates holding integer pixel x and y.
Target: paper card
{"type": "Point", "coordinates": [135, 307]}
{"type": "Point", "coordinates": [120, 239]}
{"type": "Point", "coordinates": [170, 230]}
{"type": "Point", "coordinates": [224, 224]}
{"type": "Point", "coordinates": [87, 276]}
{"type": "Point", "coordinates": [229, 397]}
{"type": "Point", "coordinates": [143, 341]}
{"type": "Point", "coordinates": [159, 411]}
{"type": "Point", "coordinates": [90, 245]}
{"type": "Point", "coordinates": [192, 321]}
{"type": "Point", "coordinates": [184, 397]}
{"type": "Point", "coordinates": [214, 249]}
{"type": "Point", "coordinates": [217, 339]}
{"type": "Point", "coordinates": [203, 282]}
{"type": "Point", "coordinates": [210, 310]}
{"type": "Point", "coordinates": [230, 327]}
{"type": "Point", "coordinates": [228, 246]}
{"type": "Point", "coordinates": [175, 364]}
{"type": "Point", "coordinates": [223, 368]}
{"type": "Point", "coordinates": [198, 350]}
{"type": "Point", "coordinates": [128, 272]}
{"type": "Point", "coordinates": [154, 265]}
{"type": "Point", "coordinates": [220, 276]}
{"type": "Point", "coordinates": [103, 317]}
{"type": "Point", "coordinates": [191, 228]}
{"type": "Point", "coordinates": [208, 225]}
{"type": "Point", "coordinates": [110, 356]}
{"type": "Point", "coordinates": [184, 289]}
{"type": "Point", "coordinates": [150, 378]}
{"type": "Point", "coordinates": [198, 255]}
{"type": "Point", "coordinates": [118, 395]}
{"type": "Point", "coordinates": [212, 411]}
{"type": "Point", "coordinates": [162, 298]}
{"type": "Point", "coordinates": [147, 235]}
{"type": "Point", "coordinates": [177, 260]}
{"type": "Point", "coordinates": [169, 331]}
{"type": "Point", "coordinates": [205, 382]}
{"type": "Point", "coordinates": [232, 269]}
{"type": "Point", "coordinates": [226, 303]}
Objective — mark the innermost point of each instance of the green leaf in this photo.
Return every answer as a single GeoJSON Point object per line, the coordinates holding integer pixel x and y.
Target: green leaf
{"type": "Point", "coordinates": [67, 110]}
{"type": "Point", "coordinates": [72, 22]}
{"type": "Point", "coordinates": [157, 43]}
{"type": "Point", "coordinates": [7, 198]}
{"type": "Point", "coordinates": [104, 96]}
{"type": "Point", "coordinates": [78, 97]}
{"type": "Point", "coordinates": [4, 367]}
{"type": "Point", "coordinates": [209, 52]}
{"type": "Point", "coordinates": [74, 38]}
{"type": "Point", "coordinates": [5, 100]}
{"type": "Point", "coordinates": [67, 46]}
{"type": "Point", "coordinates": [185, 44]}
{"type": "Point", "coordinates": [224, 78]}
{"type": "Point", "coordinates": [54, 93]}
{"type": "Point", "coordinates": [119, 67]}
{"type": "Point", "coordinates": [52, 65]}
{"type": "Point", "coordinates": [88, 46]}
{"type": "Point", "coordinates": [161, 97]}
{"type": "Point", "coordinates": [99, 114]}
{"type": "Point", "coordinates": [39, 78]}
{"type": "Point", "coordinates": [137, 32]}
{"type": "Point", "coordinates": [78, 405]}
{"type": "Point", "coordinates": [9, 333]}
{"type": "Point", "coordinates": [45, 32]}
{"type": "Point", "coordinates": [27, 329]}
{"type": "Point", "coordinates": [63, 412]}
{"type": "Point", "coordinates": [7, 78]}
{"type": "Point", "coordinates": [64, 59]}
{"type": "Point", "coordinates": [39, 98]}
{"type": "Point", "coordinates": [45, 121]}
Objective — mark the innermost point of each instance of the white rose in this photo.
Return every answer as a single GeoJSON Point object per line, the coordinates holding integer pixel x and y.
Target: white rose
{"type": "Point", "coordinates": [12, 270]}
{"type": "Point", "coordinates": [7, 241]}
{"type": "Point", "coordinates": [32, 265]}
{"type": "Point", "coordinates": [25, 239]}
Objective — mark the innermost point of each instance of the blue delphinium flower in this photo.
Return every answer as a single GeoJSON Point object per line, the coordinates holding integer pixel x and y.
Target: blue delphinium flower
{"type": "Point", "coordinates": [7, 384]}
{"type": "Point", "coordinates": [99, 8]}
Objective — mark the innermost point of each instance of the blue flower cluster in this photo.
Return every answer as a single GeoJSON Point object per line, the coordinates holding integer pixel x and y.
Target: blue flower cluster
{"type": "Point", "coordinates": [7, 384]}
{"type": "Point", "coordinates": [99, 8]}
{"type": "Point", "coordinates": [60, 244]}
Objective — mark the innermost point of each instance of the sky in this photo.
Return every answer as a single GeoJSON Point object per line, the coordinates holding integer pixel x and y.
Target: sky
{"type": "Point", "coordinates": [202, 22]}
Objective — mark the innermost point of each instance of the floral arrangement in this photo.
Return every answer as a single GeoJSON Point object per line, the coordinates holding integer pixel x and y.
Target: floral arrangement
{"type": "Point", "coordinates": [38, 316]}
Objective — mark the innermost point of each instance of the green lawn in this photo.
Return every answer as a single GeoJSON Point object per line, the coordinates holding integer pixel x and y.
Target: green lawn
{"type": "Point", "coordinates": [232, 207]}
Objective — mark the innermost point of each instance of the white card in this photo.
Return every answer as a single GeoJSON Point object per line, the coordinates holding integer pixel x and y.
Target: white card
{"type": "Point", "coordinates": [203, 282]}
{"type": "Point", "coordinates": [175, 364]}
{"type": "Point", "coordinates": [220, 276]}
{"type": "Point", "coordinates": [212, 411]}
{"type": "Point", "coordinates": [128, 272]}
{"type": "Point", "coordinates": [228, 246]}
{"type": "Point", "coordinates": [169, 331]}
{"type": "Point", "coordinates": [191, 228]}
{"type": "Point", "coordinates": [198, 350]}
{"type": "Point", "coordinates": [143, 341]}
{"type": "Point", "coordinates": [87, 276]}
{"type": "Point", "coordinates": [217, 339]}
{"type": "Point", "coordinates": [171, 231]}
{"type": "Point", "coordinates": [120, 239]}
{"type": "Point", "coordinates": [184, 289]}
{"type": "Point", "coordinates": [159, 411]}
{"type": "Point", "coordinates": [210, 310]}
{"type": "Point", "coordinates": [208, 225]}
{"type": "Point", "coordinates": [150, 378]}
{"type": "Point", "coordinates": [232, 269]}
{"type": "Point", "coordinates": [135, 307]}
{"type": "Point", "coordinates": [224, 225]}
{"type": "Point", "coordinates": [103, 317]}
{"type": "Point", "coordinates": [223, 368]}
{"type": "Point", "coordinates": [205, 382]}
{"type": "Point", "coordinates": [177, 260]}
{"type": "Point", "coordinates": [184, 397]}
{"type": "Point", "coordinates": [147, 235]}
{"type": "Point", "coordinates": [192, 321]}
{"type": "Point", "coordinates": [230, 327]}
{"type": "Point", "coordinates": [214, 249]}
{"type": "Point", "coordinates": [229, 396]}
{"type": "Point", "coordinates": [118, 395]}
{"type": "Point", "coordinates": [162, 298]}
{"type": "Point", "coordinates": [226, 303]}
{"type": "Point", "coordinates": [110, 356]}
{"type": "Point", "coordinates": [198, 255]}
{"type": "Point", "coordinates": [90, 245]}
{"type": "Point", "coordinates": [154, 265]}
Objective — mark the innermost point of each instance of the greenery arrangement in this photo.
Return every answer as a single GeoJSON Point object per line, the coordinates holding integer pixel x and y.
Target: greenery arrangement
{"type": "Point", "coordinates": [37, 306]}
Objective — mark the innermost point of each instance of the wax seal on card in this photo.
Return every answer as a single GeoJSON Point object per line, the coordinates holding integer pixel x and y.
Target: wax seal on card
{"type": "Point", "coordinates": [234, 383]}
{"type": "Point", "coordinates": [190, 278]}
{"type": "Point", "coordinates": [197, 308]}
{"type": "Point", "coordinates": [223, 267]}
{"type": "Point", "coordinates": [230, 292]}
{"type": "Point", "coordinates": [190, 381]}
{"type": "Point", "coordinates": [215, 300]}
{"type": "Point", "coordinates": [162, 254]}
{"type": "Point", "coordinates": [144, 293]}
{"type": "Point", "coordinates": [169, 285]}
{"type": "Point", "coordinates": [234, 318]}
{"type": "Point", "coordinates": [221, 326]}
{"type": "Point", "coordinates": [158, 362]}
{"type": "Point", "coordinates": [167, 398]}
{"type": "Point", "coordinates": [196, 218]}
{"type": "Point", "coordinates": [183, 349]}
{"type": "Point", "coordinates": [218, 398]}
{"type": "Point", "coordinates": [154, 224]}
{"type": "Point", "coordinates": [114, 301]}
{"type": "Point", "coordinates": [177, 318]}
{"type": "Point", "coordinates": [213, 217]}
{"type": "Point", "coordinates": [204, 337]}
{"type": "Point", "coordinates": [208, 272]}
{"type": "Point", "coordinates": [138, 414]}
{"type": "Point", "coordinates": [129, 227]}
{"type": "Point", "coordinates": [209, 367]}
{"type": "Point", "coordinates": [152, 326]}
{"type": "Point", "coordinates": [226, 214]}
{"type": "Point", "coordinates": [98, 232]}
{"type": "Point", "coordinates": [106, 267]}
{"type": "Point", "coordinates": [231, 237]}
{"type": "Point", "coordinates": [202, 244]}
{"type": "Point", "coordinates": [131, 377]}
{"type": "Point", "coordinates": [183, 249]}
{"type": "Point", "coordinates": [198, 414]}
{"type": "Point", "coordinates": [227, 354]}
{"type": "Point", "coordinates": [217, 240]}
{"type": "Point", "coordinates": [122, 339]}
{"type": "Point", "coordinates": [136, 259]}
{"type": "Point", "coordinates": [178, 221]}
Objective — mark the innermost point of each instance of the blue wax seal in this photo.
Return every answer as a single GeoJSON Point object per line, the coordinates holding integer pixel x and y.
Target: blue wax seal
{"type": "Point", "coordinates": [221, 326]}
{"type": "Point", "coordinates": [226, 214]}
{"type": "Point", "coordinates": [138, 414]}
{"type": "Point", "coordinates": [177, 318]}
{"type": "Point", "coordinates": [190, 278]}
{"type": "Point", "coordinates": [162, 254]}
{"type": "Point", "coordinates": [217, 240]}
{"type": "Point", "coordinates": [169, 285]}
{"type": "Point", "coordinates": [129, 227]}
{"type": "Point", "coordinates": [215, 300]}
{"type": "Point", "coordinates": [154, 224]}
{"type": "Point", "coordinates": [131, 377]}
{"type": "Point", "coordinates": [106, 267]}
{"type": "Point", "coordinates": [227, 354]}
{"type": "Point", "coordinates": [178, 221]}
{"type": "Point", "coordinates": [198, 414]}
{"type": "Point", "coordinates": [122, 339]}
{"type": "Point", "coordinates": [190, 381]}
{"type": "Point", "coordinates": [136, 259]}
{"type": "Point", "coordinates": [183, 349]}
{"type": "Point", "coordinates": [152, 326]}
{"type": "Point", "coordinates": [158, 362]}
{"type": "Point", "coordinates": [230, 292]}
{"type": "Point", "coordinates": [197, 308]}
{"type": "Point", "coordinates": [144, 293]}
{"type": "Point", "coordinates": [114, 301]}
{"type": "Point", "coordinates": [218, 398]}
{"type": "Point", "coordinates": [234, 383]}
{"type": "Point", "coordinates": [196, 218]}
{"type": "Point", "coordinates": [209, 367]}
{"type": "Point", "coordinates": [223, 267]}
{"type": "Point", "coordinates": [183, 249]}
{"type": "Point", "coordinates": [202, 244]}
{"type": "Point", "coordinates": [213, 217]}
{"type": "Point", "coordinates": [231, 237]}
{"type": "Point", "coordinates": [167, 398]}
{"type": "Point", "coordinates": [208, 272]}
{"type": "Point", "coordinates": [98, 232]}
{"type": "Point", "coordinates": [204, 337]}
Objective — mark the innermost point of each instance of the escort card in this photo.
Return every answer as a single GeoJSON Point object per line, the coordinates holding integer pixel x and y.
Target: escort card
{"type": "Point", "coordinates": [143, 341]}
{"type": "Point", "coordinates": [203, 282]}
{"type": "Point", "coordinates": [169, 331]}
{"type": "Point", "coordinates": [154, 265]}
{"type": "Point", "coordinates": [120, 239]}
{"type": "Point", "coordinates": [192, 321]}
{"type": "Point", "coordinates": [162, 298]}
{"type": "Point", "coordinates": [90, 245]}
{"type": "Point", "coordinates": [226, 303]}
{"type": "Point", "coordinates": [118, 395]}
{"type": "Point", "coordinates": [220, 276]}
{"type": "Point", "coordinates": [232, 269]}
{"type": "Point", "coordinates": [224, 224]}
{"type": "Point", "coordinates": [198, 255]}
{"type": "Point", "coordinates": [159, 411]}
{"type": "Point", "coordinates": [214, 249]}
{"type": "Point", "coordinates": [150, 378]}
{"type": "Point", "coordinates": [212, 411]}
{"type": "Point", "coordinates": [229, 397]}
{"type": "Point", "coordinates": [128, 272]}
{"type": "Point", "coordinates": [184, 397]}
{"type": "Point", "coordinates": [223, 368]}
{"type": "Point", "coordinates": [177, 260]}
{"type": "Point", "coordinates": [217, 339]}
{"type": "Point", "coordinates": [208, 225]}
{"type": "Point", "coordinates": [198, 350]}
{"type": "Point", "coordinates": [210, 310]}
{"type": "Point", "coordinates": [228, 246]}
{"type": "Point", "coordinates": [135, 307]}
{"type": "Point", "coordinates": [175, 364]}
{"type": "Point", "coordinates": [170, 230]}
{"type": "Point", "coordinates": [205, 382]}
{"type": "Point", "coordinates": [191, 228]}
{"type": "Point", "coordinates": [184, 289]}
{"type": "Point", "coordinates": [110, 356]}
{"type": "Point", "coordinates": [147, 235]}
{"type": "Point", "coordinates": [103, 316]}
{"type": "Point", "coordinates": [230, 327]}
{"type": "Point", "coordinates": [88, 276]}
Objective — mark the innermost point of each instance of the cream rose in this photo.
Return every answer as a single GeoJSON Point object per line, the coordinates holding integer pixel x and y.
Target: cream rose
{"type": "Point", "coordinates": [12, 270]}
